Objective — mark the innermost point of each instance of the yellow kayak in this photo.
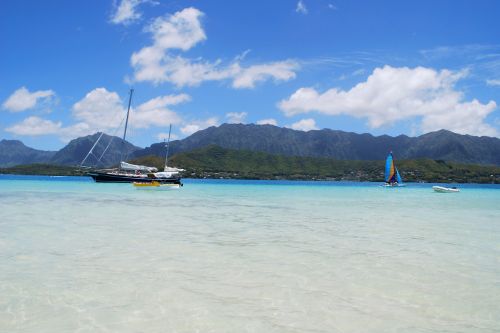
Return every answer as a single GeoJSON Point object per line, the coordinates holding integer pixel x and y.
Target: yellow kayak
{"type": "Point", "coordinates": [154, 185]}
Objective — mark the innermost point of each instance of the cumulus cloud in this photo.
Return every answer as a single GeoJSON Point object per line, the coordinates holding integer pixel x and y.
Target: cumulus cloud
{"type": "Point", "coordinates": [126, 12]}
{"type": "Point", "coordinates": [100, 108]}
{"type": "Point", "coordinates": [279, 71]}
{"type": "Point", "coordinates": [269, 121]}
{"type": "Point", "coordinates": [301, 7]}
{"type": "Point", "coordinates": [155, 112]}
{"type": "Point", "coordinates": [179, 31]}
{"type": "Point", "coordinates": [198, 125]}
{"type": "Point", "coordinates": [236, 117]}
{"type": "Point", "coordinates": [393, 94]}
{"type": "Point", "coordinates": [103, 110]}
{"type": "Point", "coordinates": [182, 31]}
{"type": "Point", "coordinates": [35, 126]}
{"type": "Point", "coordinates": [22, 99]}
{"type": "Point", "coordinates": [304, 125]}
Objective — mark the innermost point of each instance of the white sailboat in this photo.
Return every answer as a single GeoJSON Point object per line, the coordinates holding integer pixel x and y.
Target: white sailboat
{"type": "Point", "coordinates": [128, 173]}
{"type": "Point", "coordinates": [167, 173]}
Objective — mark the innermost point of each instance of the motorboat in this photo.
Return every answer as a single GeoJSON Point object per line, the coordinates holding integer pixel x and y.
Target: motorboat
{"type": "Point", "coordinates": [442, 189]}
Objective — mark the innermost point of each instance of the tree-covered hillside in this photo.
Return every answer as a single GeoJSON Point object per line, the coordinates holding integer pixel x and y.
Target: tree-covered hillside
{"type": "Point", "coordinates": [216, 162]}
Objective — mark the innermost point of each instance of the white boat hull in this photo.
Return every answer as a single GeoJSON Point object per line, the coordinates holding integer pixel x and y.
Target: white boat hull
{"type": "Point", "coordinates": [442, 189]}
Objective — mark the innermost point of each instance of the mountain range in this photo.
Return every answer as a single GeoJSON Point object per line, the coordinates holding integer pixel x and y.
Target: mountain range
{"type": "Point", "coordinates": [14, 152]}
{"type": "Point", "coordinates": [340, 145]}
{"type": "Point", "coordinates": [440, 145]}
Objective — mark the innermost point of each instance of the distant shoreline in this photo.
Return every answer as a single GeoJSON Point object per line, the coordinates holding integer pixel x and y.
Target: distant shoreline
{"type": "Point", "coordinates": [298, 179]}
{"type": "Point", "coordinates": [213, 162]}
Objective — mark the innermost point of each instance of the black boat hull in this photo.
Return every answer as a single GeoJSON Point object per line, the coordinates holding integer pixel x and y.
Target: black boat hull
{"type": "Point", "coordinates": [102, 177]}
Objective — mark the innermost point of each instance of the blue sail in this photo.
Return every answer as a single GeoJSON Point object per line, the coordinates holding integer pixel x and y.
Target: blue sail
{"type": "Point", "coordinates": [389, 168]}
{"type": "Point", "coordinates": [398, 177]}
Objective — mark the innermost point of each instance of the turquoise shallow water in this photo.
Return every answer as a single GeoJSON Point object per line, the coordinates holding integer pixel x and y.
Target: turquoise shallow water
{"type": "Point", "coordinates": [229, 256]}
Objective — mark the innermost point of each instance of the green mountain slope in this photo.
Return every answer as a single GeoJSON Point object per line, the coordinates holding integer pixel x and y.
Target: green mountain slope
{"type": "Point", "coordinates": [216, 162]}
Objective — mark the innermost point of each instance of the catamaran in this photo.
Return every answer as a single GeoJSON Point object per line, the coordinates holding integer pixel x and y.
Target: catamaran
{"type": "Point", "coordinates": [392, 176]}
{"type": "Point", "coordinates": [128, 173]}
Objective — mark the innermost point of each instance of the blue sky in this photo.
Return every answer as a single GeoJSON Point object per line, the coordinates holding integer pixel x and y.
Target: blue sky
{"type": "Point", "coordinates": [382, 67]}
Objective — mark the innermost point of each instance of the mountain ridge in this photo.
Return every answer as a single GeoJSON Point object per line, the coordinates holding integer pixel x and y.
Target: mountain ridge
{"type": "Point", "coordinates": [15, 152]}
{"type": "Point", "coordinates": [442, 145]}
{"type": "Point", "coordinates": [340, 145]}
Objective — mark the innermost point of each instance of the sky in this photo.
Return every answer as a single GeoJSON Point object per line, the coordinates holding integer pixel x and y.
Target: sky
{"type": "Point", "coordinates": [379, 67]}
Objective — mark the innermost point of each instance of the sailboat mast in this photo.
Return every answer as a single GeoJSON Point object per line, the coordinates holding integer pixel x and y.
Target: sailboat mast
{"type": "Point", "coordinates": [128, 112]}
{"type": "Point", "coordinates": [126, 125]}
{"type": "Point", "coordinates": [168, 147]}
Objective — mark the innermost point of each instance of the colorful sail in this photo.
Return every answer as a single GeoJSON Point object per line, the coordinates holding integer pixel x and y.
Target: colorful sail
{"type": "Point", "coordinates": [389, 169]}
{"type": "Point", "coordinates": [392, 175]}
{"type": "Point", "coordinates": [391, 172]}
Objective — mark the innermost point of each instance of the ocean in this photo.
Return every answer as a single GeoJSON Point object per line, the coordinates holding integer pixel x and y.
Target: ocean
{"type": "Point", "coordinates": [247, 256]}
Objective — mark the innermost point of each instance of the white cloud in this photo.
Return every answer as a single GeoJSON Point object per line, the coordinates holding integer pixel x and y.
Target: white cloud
{"type": "Point", "coordinates": [22, 99]}
{"type": "Point", "coordinates": [182, 31]}
{"type": "Point", "coordinates": [304, 125]}
{"type": "Point", "coordinates": [301, 7]}
{"type": "Point", "coordinates": [179, 31]}
{"type": "Point", "coordinates": [198, 125]}
{"type": "Point", "coordinates": [493, 82]}
{"type": "Point", "coordinates": [126, 12]}
{"type": "Point", "coordinates": [236, 117]}
{"type": "Point", "coordinates": [279, 71]}
{"type": "Point", "coordinates": [393, 94]}
{"type": "Point", "coordinates": [100, 109]}
{"type": "Point", "coordinates": [155, 112]}
{"type": "Point", "coordinates": [35, 126]}
{"type": "Point", "coordinates": [269, 121]}
{"type": "Point", "coordinates": [332, 6]}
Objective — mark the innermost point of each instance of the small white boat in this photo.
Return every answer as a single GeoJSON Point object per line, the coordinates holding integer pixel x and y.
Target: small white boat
{"type": "Point", "coordinates": [157, 186]}
{"type": "Point", "coordinates": [442, 189]}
